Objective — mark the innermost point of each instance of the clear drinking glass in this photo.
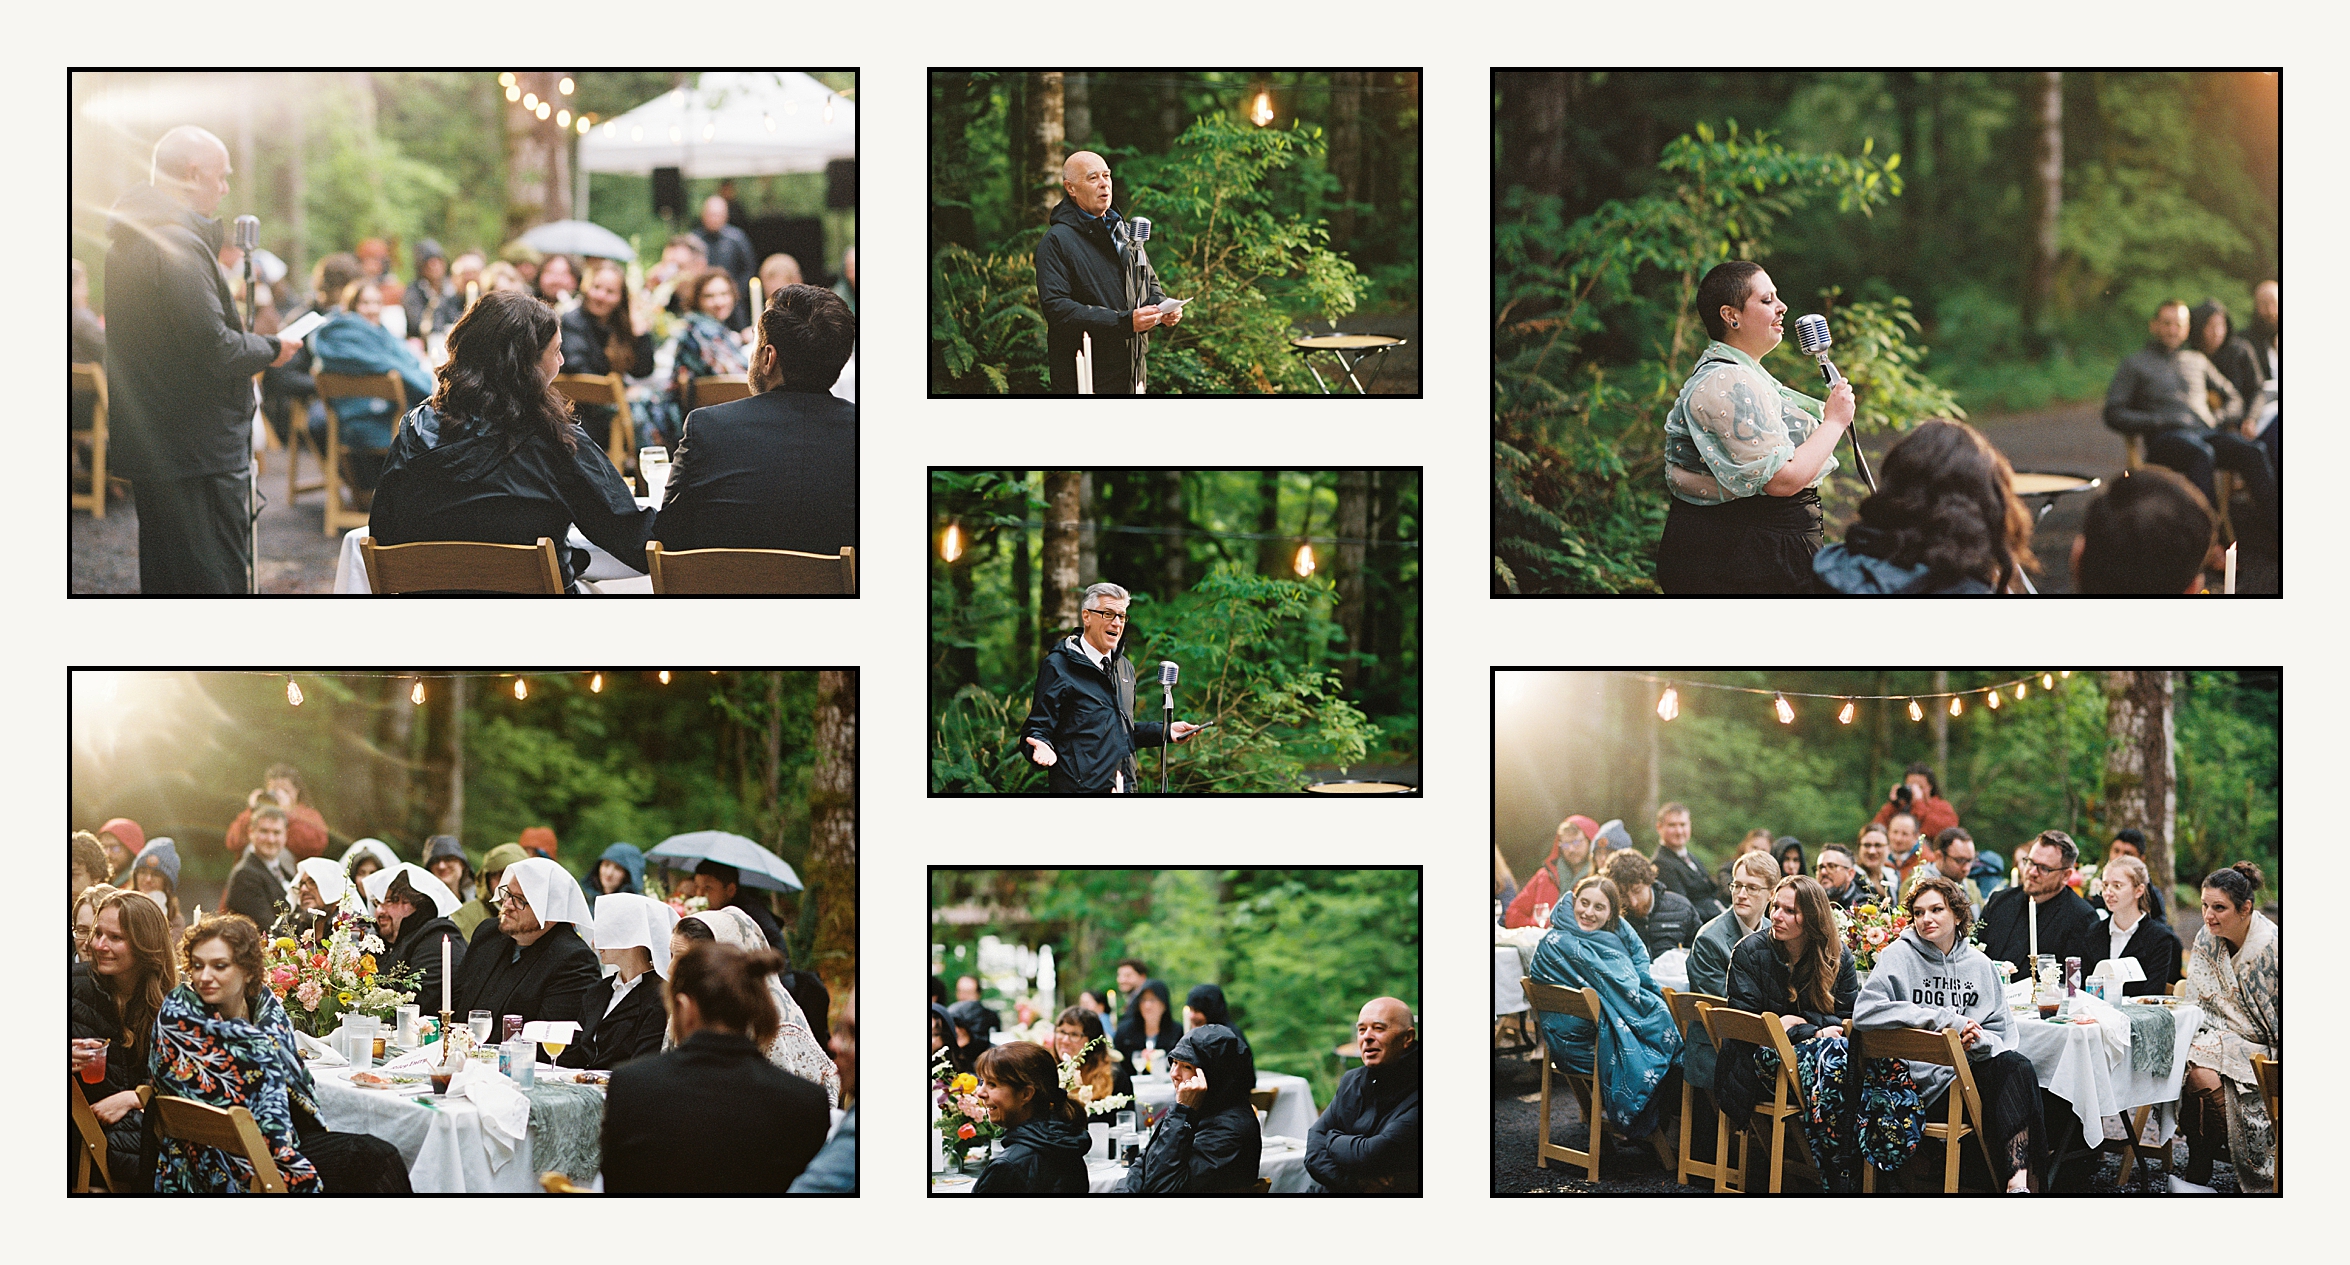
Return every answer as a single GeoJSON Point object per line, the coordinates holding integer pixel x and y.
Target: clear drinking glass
{"type": "Point", "coordinates": [653, 463]}
{"type": "Point", "coordinates": [480, 1021]}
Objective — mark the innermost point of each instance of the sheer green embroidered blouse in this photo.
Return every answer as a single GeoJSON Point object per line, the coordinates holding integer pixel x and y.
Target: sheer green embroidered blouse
{"type": "Point", "coordinates": [1733, 427]}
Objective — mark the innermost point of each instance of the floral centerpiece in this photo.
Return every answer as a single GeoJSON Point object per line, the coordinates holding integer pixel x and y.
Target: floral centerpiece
{"type": "Point", "coordinates": [321, 980]}
{"type": "Point", "coordinates": [1868, 928]}
{"type": "Point", "coordinates": [1073, 1083]}
{"type": "Point", "coordinates": [962, 1121]}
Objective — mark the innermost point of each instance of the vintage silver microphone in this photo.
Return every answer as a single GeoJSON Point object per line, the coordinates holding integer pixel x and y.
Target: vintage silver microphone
{"type": "Point", "coordinates": [1168, 671]}
{"type": "Point", "coordinates": [1142, 229]}
{"type": "Point", "coordinates": [1811, 338]}
{"type": "Point", "coordinates": [247, 231]}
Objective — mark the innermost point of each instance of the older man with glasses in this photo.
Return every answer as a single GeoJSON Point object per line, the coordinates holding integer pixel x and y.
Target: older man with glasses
{"type": "Point", "coordinates": [2067, 926]}
{"type": "Point", "coordinates": [1081, 727]}
{"type": "Point", "coordinates": [532, 961]}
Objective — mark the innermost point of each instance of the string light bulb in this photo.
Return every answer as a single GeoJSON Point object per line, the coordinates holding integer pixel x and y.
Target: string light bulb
{"type": "Point", "coordinates": [583, 124]}
{"type": "Point", "coordinates": [1263, 113]}
{"type": "Point", "coordinates": [293, 692]}
{"type": "Point", "coordinates": [513, 93]}
{"type": "Point", "coordinates": [1845, 717]}
{"type": "Point", "coordinates": [664, 678]}
{"type": "Point", "coordinates": [1916, 712]}
{"type": "Point", "coordinates": [1955, 705]}
{"type": "Point", "coordinates": [596, 683]}
{"type": "Point", "coordinates": [2047, 682]}
{"type": "Point", "coordinates": [2066, 675]}
{"type": "Point", "coordinates": [1992, 699]}
{"type": "Point", "coordinates": [1670, 705]}
{"type": "Point", "coordinates": [506, 80]}
{"type": "Point", "coordinates": [562, 118]}
{"type": "Point", "coordinates": [950, 545]}
{"type": "Point", "coordinates": [2020, 687]}
{"type": "Point", "coordinates": [416, 695]}
{"type": "Point", "coordinates": [543, 110]}
{"type": "Point", "coordinates": [521, 688]}
{"type": "Point", "coordinates": [1786, 712]}
{"type": "Point", "coordinates": [566, 86]}
{"type": "Point", "coordinates": [530, 101]}
{"type": "Point", "coordinates": [1305, 561]}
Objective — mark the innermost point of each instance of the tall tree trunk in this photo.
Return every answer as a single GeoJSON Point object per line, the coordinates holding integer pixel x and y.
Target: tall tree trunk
{"type": "Point", "coordinates": [1016, 132]}
{"type": "Point", "coordinates": [1940, 715]}
{"type": "Point", "coordinates": [771, 768]}
{"type": "Point", "coordinates": [1042, 152]}
{"type": "Point", "coordinates": [1269, 559]}
{"type": "Point", "coordinates": [1351, 527]}
{"type": "Point", "coordinates": [1089, 561]}
{"type": "Point", "coordinates": [832, 837]}
{"type": "Point", "coordinates": [1346, 151]}
{"type": "Point", "coordinates": [1063, 515]}
{"type": "Point", "coordinates": [1534, 139]}
{"type": "Point", "coordinates": [2141, 769]}
{"type": "Point", "coordinates": [1023, 590]}
{"type": "Point", "coordinates": [1175, 557]}
{"type": "Point", "coordinates": [298, 178]}
{"type": "Point", "coordinates": [962, 659]}
{"type": "Point", "coordinates": [954, 100]}
{"type": "Point", "coordinates": [453, 740]}
{"type": "Point", "coordinates": [2048, 184]}
{"type": "Point", "coordinates": [1172, 115]}
{"type": "Point", "coordinates": [1077, 110]}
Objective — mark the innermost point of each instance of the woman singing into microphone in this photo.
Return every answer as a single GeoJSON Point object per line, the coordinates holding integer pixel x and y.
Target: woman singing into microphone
{"type": "Point", "coordinates": [1744, 455]}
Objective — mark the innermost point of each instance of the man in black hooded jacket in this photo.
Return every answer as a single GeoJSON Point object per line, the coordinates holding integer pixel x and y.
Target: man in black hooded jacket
{"type": "Point", "coordinates": [1210, 1143]}
{"type": "Point", "coordinates": [1085, 284]}
{"type": "Point", "coordinates": [179, 372]}
{"type": "Point", "coordinates": [1367, 1140]}
{"type": "Point", "coordinates": [1081, 725]}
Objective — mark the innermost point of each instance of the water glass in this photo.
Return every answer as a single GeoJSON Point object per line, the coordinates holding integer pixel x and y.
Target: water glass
{"type": "Point", "coordinates": [408, 1017]}
{"type": "Point", "coordinates": [480, 1021]}
{"type": "Point", "coordinates": [1100, 1131]}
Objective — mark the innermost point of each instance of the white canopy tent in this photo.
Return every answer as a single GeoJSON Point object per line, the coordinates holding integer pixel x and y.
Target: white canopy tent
{"type": "Point", "coordinates": [730, 123]}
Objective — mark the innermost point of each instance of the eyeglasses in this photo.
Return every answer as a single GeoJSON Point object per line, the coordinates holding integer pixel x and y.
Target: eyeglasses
{"type": "Point", "coordinates": [1115, 617]}
{"type": "Point", "coordinates": [2032, 866]}
{"type": "Point", "coordinates": [1755, 889]}
{"type": "Point", "coordinates": [511, 899]}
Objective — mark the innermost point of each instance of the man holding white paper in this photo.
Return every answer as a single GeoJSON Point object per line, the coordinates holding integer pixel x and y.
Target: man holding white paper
{"type": "Point", "coordinates": [1095, 284]}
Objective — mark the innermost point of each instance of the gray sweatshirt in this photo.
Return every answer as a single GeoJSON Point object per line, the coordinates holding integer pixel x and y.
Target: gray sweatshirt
{"type": "Point", "coordinates": [1915, 986]}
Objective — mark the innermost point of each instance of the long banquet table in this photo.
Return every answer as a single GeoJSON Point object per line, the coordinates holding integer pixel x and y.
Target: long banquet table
{"type": "Point", "coordinates": [446, 1146]}
{"type": "Point", "coordinates": [2075, 1063]}
{"type": "Point", "coordinates": [1283, 1162]}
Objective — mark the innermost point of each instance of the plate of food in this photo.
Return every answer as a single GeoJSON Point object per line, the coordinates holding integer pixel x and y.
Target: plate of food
{"type": "Point", "coordinates": [2156, 1001]}
{"type": "Point", "coordinates": [383, 1080]}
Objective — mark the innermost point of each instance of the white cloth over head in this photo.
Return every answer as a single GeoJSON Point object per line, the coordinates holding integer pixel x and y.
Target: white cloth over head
{"type": "Point", "coordinates": [424, 881]}
{"type": "Point", "coordinates": [795, 1048]}
{"type": "Point", "coordinates": [327, 875]}
{"type": "Point", "coordinates": [625, 918]}
{"type": "Point", "coordinates": [553, 894]}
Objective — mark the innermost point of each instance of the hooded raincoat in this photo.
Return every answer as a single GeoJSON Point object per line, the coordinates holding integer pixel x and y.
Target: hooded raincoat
{"type": "Point", "coordinates": [1041, 1157]}
{"type": "Point", "coordinates": [1212, 1148]}
{"type": "Point", "coordinates": [1086, 715]}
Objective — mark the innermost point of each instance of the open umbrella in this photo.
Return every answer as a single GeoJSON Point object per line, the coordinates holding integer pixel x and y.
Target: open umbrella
{"type": "Point", "coordinates": [760, 868]}
{"type": "Point", "coordinates": [578, 237]}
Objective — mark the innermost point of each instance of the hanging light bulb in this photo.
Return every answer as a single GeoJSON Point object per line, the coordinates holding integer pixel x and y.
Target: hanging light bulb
{"type": "Point", "coordinates": [1955, 705]}
{"type": "Point", "coordinates": [665, 678]}
{"type": "Point", "coordinates": [530, 101]}
{"type": "Point", "coordinates": [566, 86]}
{"type": "Point", "coordinates": [513, 93]}
{"type": "Point", "coordinates": [543, 110]}
{"type": "Point", "coordinates": [2020, 687]}
{"type": "Point", "coordinates": [1670, 705]}
{"type": "Point", "coordinates": [2047, 682]}
{"type": "Point", "coordinates": [293, 692]}
{"type": "Point", "coordinates": [1916, 712]}
{"type": "Point", "coordinates": [1845, 717]}
{"type": "Point", "coordinates": [521, 688]}
{"type": "Point", "coordinates": [950, 545]}
{"type": "Point", "coordinates": [1786, 713]}
{"type": "Point", "coordinates": [584, 124]}
{"type": "Point", "coordinates": [1305, 561]}
{"type": "Point", "coordinates": [2066, 675]}
{"type": "Point", "coordinates": [1992, 698]}
{"type": "Point", "coordinates": [596, 684]}
{"type": "Point", "coordinates": [1262, 114]}
{"type": "Point", "coordinates": [506, 80]}
{"type": "Point", "coordinates": [416, 695]}
{"type": "Point", "coordinates": [562, 118]}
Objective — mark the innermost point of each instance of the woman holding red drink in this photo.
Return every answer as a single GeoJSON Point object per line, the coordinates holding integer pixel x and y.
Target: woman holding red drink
{"type": "Point", "coordinates": [111, 1021]}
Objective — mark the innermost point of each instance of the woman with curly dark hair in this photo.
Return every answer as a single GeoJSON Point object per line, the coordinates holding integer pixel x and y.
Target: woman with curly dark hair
{"type": "Point", "coordinates": [494, 455]}
{"type": "Point", "coordinates": [1945, 520]}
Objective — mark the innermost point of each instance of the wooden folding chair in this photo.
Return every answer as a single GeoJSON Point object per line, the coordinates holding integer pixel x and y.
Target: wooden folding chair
{"type": "Point", "coordinates": [1263, 1186]}
{"type": "Point", "coordinates": [90, 1133]}
{"type": "Point", "coordinates": [429, 566]}
{"type": "Point", "coordinates": [785, 572]}
{"type": "Point", "coordinates": [1686, 1008]}
{"type": "Point", "coordinates": [1787, 1104]}
{"type": "Point", "coordinates": [611, 391]}
{"type": "Point", "coordinates": [1582, 1003]}
{"type": "Point", "coordinates": [90, 380]}
{"type": "Point", "coordinates": [2271, 1075]}
{"type": "Point", "coordinates": [717, 388]}
{"type": "Point", "coordinates": [1923, 1045]}
{"type": "Point", "coordinates": [231, 1130]}
{"type": "Point", "coordinates": [344, 386]}
{"type": "Point", "coordinates": [1262, 1099]}
{"type": "Point", "coordinates": [555, 1182]}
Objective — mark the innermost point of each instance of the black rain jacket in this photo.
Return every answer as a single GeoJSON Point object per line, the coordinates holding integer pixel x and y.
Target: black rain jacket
{"type": "Point", "coordinates": [1762, 982]}
{"type": "Point", "coordinates": [1081, 289]}
{"type": "Point", "coordinates": [1086, 714]}
{"type": "Point", "coordinates": [1211, 1149]}
{"type": "Point", "coordinates": [1041, 1157]}
{"type": "Point", "coordinates": [1368, 1139]}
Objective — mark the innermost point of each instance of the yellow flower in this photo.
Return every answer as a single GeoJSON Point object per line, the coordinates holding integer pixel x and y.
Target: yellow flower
{"type": "Point", "coordinates": [343, 997]}
{"type": "Point", "coordinates": [1867, 911]}
{"type": "Point", "coordinates": [286, 943]}
{"type": "Point", "coordinates": [367, 964]}
{"type": "Point", "coordinates": [965, 1083]}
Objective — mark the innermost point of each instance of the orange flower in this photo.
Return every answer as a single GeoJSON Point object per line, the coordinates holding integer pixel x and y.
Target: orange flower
{"type": "Point", "coordinates": [367, 964]}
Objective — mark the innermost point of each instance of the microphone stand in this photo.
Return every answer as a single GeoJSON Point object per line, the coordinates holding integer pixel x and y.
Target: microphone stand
{"type": "Point", "coordinates": [1166, 730]}
{"type": "Point", "coordinates": [252, 479]}
{"type": "Point", "coordinates": [1852, 432]}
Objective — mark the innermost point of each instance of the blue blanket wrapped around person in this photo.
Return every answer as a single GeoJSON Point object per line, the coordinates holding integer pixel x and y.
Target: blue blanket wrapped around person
{"type": "Point", "coordinates": [352, 344]}
{"type": "Point", "coordinates": [1636, 1045]}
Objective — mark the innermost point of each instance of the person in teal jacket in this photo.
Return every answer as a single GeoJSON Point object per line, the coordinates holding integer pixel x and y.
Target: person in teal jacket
{"type": "Point", "coordinates": [355, 342]}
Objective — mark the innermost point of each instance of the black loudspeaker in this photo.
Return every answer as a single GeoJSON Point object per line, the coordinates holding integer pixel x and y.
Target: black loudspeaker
{"type": "Point", "coordinates": [668, 192]}
{"type": "Point", "coordinates": [840, 185]}
{"type": "Point", "coordinates": [799, 236]}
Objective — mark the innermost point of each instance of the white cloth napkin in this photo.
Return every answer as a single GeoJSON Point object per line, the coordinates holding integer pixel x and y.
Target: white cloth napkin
{"type": "Point", "coordinates": [318, 1053]}
{"type": "Point", "coordinates": [422, 1059]}
{"type": "Point", "coordinates": [557, 1030]}
{"type": "Point", "coordinates": [505, 1110]}
{"type": "Point", "coordinates": [2112, 1026]}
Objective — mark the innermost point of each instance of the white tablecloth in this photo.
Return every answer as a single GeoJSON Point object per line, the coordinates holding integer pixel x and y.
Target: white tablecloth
{"type": "Point", "coordinates": [1290, 1116]}
{"type": "Point", "coordinates": [606, 572]}
{"type": "Point", "coordinates": [2075, 1063]}
{"type": "Point", "coordinates": [1283, 1161]}
{"type": "Point", "coordinates": [1509, 997]}
{"type": "Point", "coordinates": [442, 1144]}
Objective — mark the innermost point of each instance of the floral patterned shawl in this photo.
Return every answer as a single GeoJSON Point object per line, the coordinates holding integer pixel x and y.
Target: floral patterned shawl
{"type": "Point", "coordinates": [2239, 995]}
{"type": "Point", "coordinates": [224, 1062]}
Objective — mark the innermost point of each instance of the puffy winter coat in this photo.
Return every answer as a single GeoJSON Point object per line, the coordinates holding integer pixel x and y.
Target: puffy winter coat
{"type": "Point", "coordinates": [1081, 289]}
{"type": "Point", "coordinates": [91, 1013]}
{"type": "Point", "coordinates": [1671, 922]}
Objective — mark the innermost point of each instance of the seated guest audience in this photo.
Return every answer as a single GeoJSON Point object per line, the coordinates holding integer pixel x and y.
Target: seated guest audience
{"type": "Point", "coordinates": [254, 886]}
{"type": "Point", "coordinates": [532, 961]}
{"type": "Point", "coordinates": [1791, 858]}
{"type": "Point", "coordinates": [1756, 840]}
{"type": "Point", "coordinates": [1905, 848]}
{"type": "Point", "coordinates": [1840, 878]}
{"type": "Point", "coordinates": [2147, 532]}
{"type": "Point", "coordinates": [1367, 1141]}
{"type": "Point", "coordinates": [609, 331]}
{"type": "Point", "coordinates": [1210, 1143]}
{"type": "Point", "coordinates": [1044, 1136]}
{"type": "Point", "coordinates": [620, 1017]}
{"type": "Point", "coordinates": [793, 1047]}
{"type": "Point", "coordinates": [558, 283]}
{"type": "Point", "coordinates": [1871, 855]}
{"type": "Point", "coordinates": [1150, 1029]}
{"type": "Point", "coordinates": [1930, 977]}
{"type": "Point", "coordinates": [707, 345]}
{"type": "Point", "coordinates": [131, 968]}
{"type": "Point", "coordinates": [365, 857]}
{"type": "Point", "coordinates": [1944, 520]}
{"type": "Point", "coordinates": [1077, 1035]}
{"type": "Point", "coordinates": [464, 272]}
{"type": "Point", "coordinates": [2165, 392]}
{"type": "Point", "coordinates": [776, 470]}
{"type": "Point", "coordinates": [121, 838]}
{"type": "Point", "coordinates": [2067, 926]}
{"type": "Point", "coordinates": [305, 834]}
{"type": "Point", "coordinates": [721, 885]}
{"type": "Point", "coordinates": [1677, 870]}
{"type": "Point", "coordinates": [356, 342]}
{"type": "Point", "coordinates": [1662, 919]}
{"type": "Point", "coordinates": [445, 857]}
{"type": "Point", "coordinates": [1800, 973]}
{"type": "Point", "coordinates": [754, 1126]}
{"type": "Point", "coordinates": [1954, 859]}
{"type": "Point", "coordinates": [484, 906]}
{"type": "Point", "coordinates": [1569, 860]}
{"type": "Point", "coordinates": [1597, 949]}
{"type": "Point", "coordinates": [412, 910]}
{"type": "Point", "coordinates": [495, 457]}
{"type": "Point", "coordinates": [2134, 930]}
{"type": "Point", "coordinates": [223, 1039]}
{"type": "Point", "coordinates": [834, 1170]}
{"type": "Point", "coordinates": [620, 869]}
{"type": "Point", "coordinates": [2128, 842]}
{"type": "Point", "coordinates": [157, 871]}
{"type": "Point", "coordinates": [2234, 976]}
{"type": "Point", "coordinates": [1753, 877]}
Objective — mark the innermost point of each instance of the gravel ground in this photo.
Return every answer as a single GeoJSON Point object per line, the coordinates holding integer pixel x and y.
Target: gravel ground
{"type": "Point", "coordinates": [295, 556]}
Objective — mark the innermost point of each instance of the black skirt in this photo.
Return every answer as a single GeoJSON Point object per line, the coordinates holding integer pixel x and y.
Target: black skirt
{"type": "Point", "coordinates": [1753, 545]}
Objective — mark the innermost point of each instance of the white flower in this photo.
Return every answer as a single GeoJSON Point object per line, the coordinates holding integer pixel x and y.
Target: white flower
{"type": "Point", "coordinates": [371, 944]}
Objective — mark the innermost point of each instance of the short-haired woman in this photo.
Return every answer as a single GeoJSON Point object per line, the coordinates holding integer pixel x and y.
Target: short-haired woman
{"type": "Point", "coordinates": [1044, 1130]}
{"type": "Point", "coordinates": [1930, 977]}
{"type": "Point", "coordinates": [494, 455]}
{"type": "Point", "coordinates": [1639, 1043]}
{"type": "Point", "coordinates": [2235, 976]}
{"type": "Point", "coordinates": [1745, 455]}
{"type": "Point", "coordinates": [1944, 520]}
{"type": "Point", "coordinates": [2134, 930]}
{"type": "Point", "coordinates": [223, 1039]}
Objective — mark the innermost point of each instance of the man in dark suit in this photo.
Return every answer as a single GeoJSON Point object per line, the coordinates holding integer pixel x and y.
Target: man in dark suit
{"type": "Point", "coordinates": [531, 962]}
{"type": "Point", "coordinates": [2067, 926]}
{"type": "Point", "coordinates": [776, 470]}
{"type": "Point", "coordinates": [1680, 872]}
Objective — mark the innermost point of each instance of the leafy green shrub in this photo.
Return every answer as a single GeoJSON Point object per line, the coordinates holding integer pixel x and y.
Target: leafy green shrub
{"type": "Point", "coordinates": [986, 334]}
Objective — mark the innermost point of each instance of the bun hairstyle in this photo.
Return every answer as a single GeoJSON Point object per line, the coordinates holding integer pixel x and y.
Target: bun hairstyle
{"type": "Point", "coordinates": [729, 986]}
{"type": "Point", "coordinates": [1026, 1065]}
{"type": "Point", "coordinates": [2237, 882]}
